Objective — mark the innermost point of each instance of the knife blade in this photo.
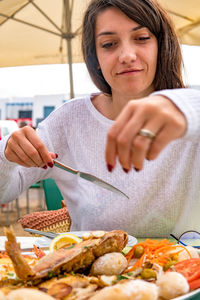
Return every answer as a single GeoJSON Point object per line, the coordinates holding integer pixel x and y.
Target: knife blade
{"type": "Point", "coordinates": [50, 235]}
{"type": "Point", "coordinates": [90, 178]}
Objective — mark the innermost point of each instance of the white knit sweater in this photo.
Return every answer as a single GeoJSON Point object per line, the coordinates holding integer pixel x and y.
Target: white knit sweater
{"type": "Point", "coordinates": [164, 196]}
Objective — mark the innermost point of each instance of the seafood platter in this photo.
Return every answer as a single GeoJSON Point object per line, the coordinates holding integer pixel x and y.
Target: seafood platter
{"type": "Point", "coordinates": [99, 266]}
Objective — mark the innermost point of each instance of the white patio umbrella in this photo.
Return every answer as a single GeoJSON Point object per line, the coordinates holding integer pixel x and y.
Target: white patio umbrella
{"type": "Point", "coordinates": [186, 16]}
{"type": "Point", "coordinates": [36, 32]}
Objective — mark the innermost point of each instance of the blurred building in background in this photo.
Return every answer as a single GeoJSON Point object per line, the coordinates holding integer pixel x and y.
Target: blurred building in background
{"type": "Point", "coordinates": [31, 110]}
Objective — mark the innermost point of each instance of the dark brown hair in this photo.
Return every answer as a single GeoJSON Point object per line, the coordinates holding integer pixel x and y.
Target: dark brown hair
{"type": "Point", "coordinates": [147, 13]}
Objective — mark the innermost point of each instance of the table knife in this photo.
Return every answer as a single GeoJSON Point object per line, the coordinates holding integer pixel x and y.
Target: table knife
{"type": "Point", "coordinates": [50, 235]}
{"type": "Point", "coordinates": [90, 178]}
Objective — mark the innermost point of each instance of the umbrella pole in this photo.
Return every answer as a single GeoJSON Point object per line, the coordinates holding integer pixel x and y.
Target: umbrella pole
{"type": "Point", "coordinates": [68, 36]}
{"type": "Point", "coordinates": [69, 50]}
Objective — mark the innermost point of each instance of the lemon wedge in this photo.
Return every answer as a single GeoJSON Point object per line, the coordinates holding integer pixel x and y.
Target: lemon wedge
{"type": "Point", "coordinates": [63, 240]}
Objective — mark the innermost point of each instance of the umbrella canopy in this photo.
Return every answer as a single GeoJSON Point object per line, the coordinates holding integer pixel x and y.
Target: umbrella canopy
{"type": "Point", "coordinates": [41, 32]}
{"type": "Point", "coordinates": [36, 32]}
{"type": "Point", "coordinates": [186, 16]}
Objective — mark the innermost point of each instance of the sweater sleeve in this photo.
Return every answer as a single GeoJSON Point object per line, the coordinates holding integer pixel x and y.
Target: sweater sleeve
{"type": "Point", "coordinates": [188, 101]}
{"type": "Point", "coordinates": [14, 179]}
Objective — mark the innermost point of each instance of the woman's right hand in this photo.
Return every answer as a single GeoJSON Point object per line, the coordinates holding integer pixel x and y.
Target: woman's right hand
{"type": "Point", "coordinates": [25, 148]}
{"type": "Point", "coordinates": [157, 114]}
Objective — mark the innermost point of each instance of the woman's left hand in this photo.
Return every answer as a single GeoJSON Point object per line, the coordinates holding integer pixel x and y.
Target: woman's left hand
{"type": "Point", "coordinates": [156, 114]}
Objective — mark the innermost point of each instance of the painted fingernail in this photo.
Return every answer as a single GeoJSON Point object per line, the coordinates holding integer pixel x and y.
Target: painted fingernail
{"type": "Point", "coordinates": [109, 167]}
{"type": "Point", "coordinates": [45, 167]}
{"type": "Point", "coordinates": [56, 155]}
{"type": "Point", "coordinates": [125, 170]}
{"type": "Point", "coordinates": [137, 170]}
{"type": "Point", "coordinates": [50, 165]}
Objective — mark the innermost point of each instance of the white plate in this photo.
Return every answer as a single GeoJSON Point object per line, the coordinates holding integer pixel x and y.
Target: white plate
{"type": "Point", "coordinates": [44, 241]}
{"type": "Point", "coordinates": [25, 242]}
{"type": "Point", "coordinates": [189, 295]}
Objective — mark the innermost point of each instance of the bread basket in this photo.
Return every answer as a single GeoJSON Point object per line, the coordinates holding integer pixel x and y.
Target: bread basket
{"type": "Point", "coordinates": [51, 220]}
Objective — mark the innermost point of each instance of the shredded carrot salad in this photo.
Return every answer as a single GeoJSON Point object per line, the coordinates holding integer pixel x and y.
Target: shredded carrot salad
{"type": "Point", "coordinates": [158, 252]}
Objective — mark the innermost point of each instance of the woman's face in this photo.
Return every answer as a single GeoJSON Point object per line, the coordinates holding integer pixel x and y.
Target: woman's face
{"type": "Point", "coordinates": [127, 53]}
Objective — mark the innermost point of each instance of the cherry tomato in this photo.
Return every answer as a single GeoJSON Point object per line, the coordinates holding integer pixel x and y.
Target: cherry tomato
{"type": "Point", "coordinates": [189, 268]}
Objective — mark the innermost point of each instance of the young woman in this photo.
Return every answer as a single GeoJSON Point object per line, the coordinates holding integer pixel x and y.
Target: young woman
{"type": "Point", "coordinates": [142, 113]}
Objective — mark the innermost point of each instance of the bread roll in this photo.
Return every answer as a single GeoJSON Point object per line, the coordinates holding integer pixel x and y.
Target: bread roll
{"type": "Point", "coordinates": [172, 284]}
{"type": "Point", "coordinates": [129, 290]}
{"type": "Point", "coordinates": [28, 294]}
{"type": "Point", "coordinates": [109, 264]}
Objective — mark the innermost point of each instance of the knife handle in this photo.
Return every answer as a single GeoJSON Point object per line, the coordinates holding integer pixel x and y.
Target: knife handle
{"type": "Point", "coordinates": [64, 167]}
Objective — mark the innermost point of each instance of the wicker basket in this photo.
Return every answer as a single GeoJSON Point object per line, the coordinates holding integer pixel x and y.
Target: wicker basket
{"type": "Point", "coordinates": [53, 220]}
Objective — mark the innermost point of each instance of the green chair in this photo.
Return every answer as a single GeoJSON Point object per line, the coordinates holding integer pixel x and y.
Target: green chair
{"type": "Point", "coordinates": [53, 196]}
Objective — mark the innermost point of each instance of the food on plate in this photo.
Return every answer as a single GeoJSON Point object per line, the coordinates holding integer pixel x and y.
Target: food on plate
{"type": "Point", "coordinates": [96, 269]}
{"type": "Point", "coordinates": [93, 234]}
{"type": "Point", "coordinates": [128, 290]}
{"type": "Point", "coordinates": [187, 253]}
{"type": "Point", "coordinates": [70, 287]}
{"type": "Point", "coordinates": [190, 269]}
{"type": "Point", "coordinates": [152, 251]}
{"type": "Point", "coordinates": [6, 267]}
{"type": "Point", "coordinates": [172, 284]}
{"type": "Point", "coordinates": [27, 294]}
{"type": "Point", "coordinates": [63, 240]}
{"type": "Point", "coordinates": [150, 259]}
{"type": "Point", "coordinates": [195, 284]}
{"type": "Point", "coordinates": [74, 281]}
{"type": "Point", "coordinates": [67, 287]}
{"type": "Point", "coordinates": [78, 258]}
{"type": "Point", "coordinates": [184, 252]}
{"type": "Point", "coordinates": [38, 252]}
{"type": "Point", "coordinates": [106, 280]}
{"type": "Point", "coordinates": [109, 264]}
{"type": "Point", "coordinates": [163, 253]}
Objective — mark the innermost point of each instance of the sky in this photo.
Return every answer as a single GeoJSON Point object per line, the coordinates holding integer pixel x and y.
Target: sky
{"type": "Point", "coordinates": [29, 81]}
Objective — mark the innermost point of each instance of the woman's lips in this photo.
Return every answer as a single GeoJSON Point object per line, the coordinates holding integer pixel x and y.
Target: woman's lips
{"type": "Point", "coordinates": [129, 71]}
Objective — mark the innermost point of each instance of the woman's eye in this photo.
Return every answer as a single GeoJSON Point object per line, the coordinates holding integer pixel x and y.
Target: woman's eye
{"type": "Point", "coordinates": [108, 45]}
{"type": "Point", "coordinates": [143, 38]}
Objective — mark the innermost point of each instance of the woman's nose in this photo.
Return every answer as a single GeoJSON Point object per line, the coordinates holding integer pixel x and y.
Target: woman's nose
{"type": "Point", "coordinates": [127, 54]}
